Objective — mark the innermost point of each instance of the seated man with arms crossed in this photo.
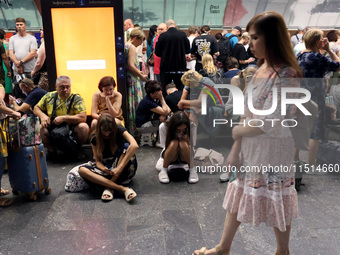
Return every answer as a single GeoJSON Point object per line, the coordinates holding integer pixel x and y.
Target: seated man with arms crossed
{"type": "Point", "coordinates": [76, 118]}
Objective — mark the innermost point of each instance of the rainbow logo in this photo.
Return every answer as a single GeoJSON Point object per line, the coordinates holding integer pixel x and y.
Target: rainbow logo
{"type": "Point", "coordinates": [209, 93]}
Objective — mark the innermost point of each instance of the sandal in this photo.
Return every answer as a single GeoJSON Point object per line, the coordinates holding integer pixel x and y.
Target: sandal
{"type": "Point", "coordinates": [4, 192]}
{"type": "Point", "coordinates": [218, 249]}
{"type": "Point", "coordinates": [129, 194]}
{"type": "Point", "coordinates": [107, 195]}
{"type": "Point", "coordinates": [5, 202]}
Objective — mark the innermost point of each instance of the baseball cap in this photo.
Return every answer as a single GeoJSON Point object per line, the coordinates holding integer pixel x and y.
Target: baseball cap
{"type": "Point", "coordinates": [238, 28]}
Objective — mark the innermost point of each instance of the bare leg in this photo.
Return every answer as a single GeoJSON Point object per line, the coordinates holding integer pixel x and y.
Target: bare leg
{"type": "Point", "coordinates": [282, 241]}
{"type": "Point", "coordinates": [184, 153]}
{"type": "Point", "coordinates": [313, 151]}
{"type": "Point", "coordinates": [171, 153]}
{"type": "Point", "coordinates": [230, 227]}
{"type": "Point", "coordinates": [45, 137]}
{"type": "Point", "coordinates": [93, 125]}
{"type": "Point", "coordinates": [82, 132]}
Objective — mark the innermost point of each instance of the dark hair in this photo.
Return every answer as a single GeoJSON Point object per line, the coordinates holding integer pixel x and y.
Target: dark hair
{"type": "Point", "coordinates": [106, 81]}
{"type": "Point", "coordinates": [152, 86]}
{"type": "Point", "coordinates": [152, 32]}
{"type": "Point", "coordinates": [277, 42]}
{"type": "Point", "coordinates": [231, 63]}
{"type": "Point", "coordinates": [179, 118]}
{"type": "Point", "coordinates": [218, 36]}
{"type": "Point", "coordinates": [106, 122]}
{"type": "Point", "coordinates": [332, 37]}
{"type": "Point", "coordinates": [205, 29]}
{"type": "Point", "coordinates": [20, 20]}
{"type": "Point", "coordinates": [2, 34]}
{"type": "Point", "coordinates": [27, 82]}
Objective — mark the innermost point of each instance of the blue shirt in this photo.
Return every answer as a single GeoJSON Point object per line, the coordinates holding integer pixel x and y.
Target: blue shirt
{"type": "Point", "coordinates": [144, 113]}
{"type": "Point", "coordinates": [34, 97]}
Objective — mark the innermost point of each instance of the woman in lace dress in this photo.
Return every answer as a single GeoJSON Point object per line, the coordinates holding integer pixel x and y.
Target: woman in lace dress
{"type": "Point", "coordinates": [259, 196]}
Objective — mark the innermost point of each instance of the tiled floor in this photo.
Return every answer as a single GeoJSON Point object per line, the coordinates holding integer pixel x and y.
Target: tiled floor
{"type": "Point", "coordinates": [164, 219]}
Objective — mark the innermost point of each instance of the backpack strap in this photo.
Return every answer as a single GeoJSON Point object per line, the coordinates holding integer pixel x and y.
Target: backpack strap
{"type": "Point", "coordinates": [55, 104]}
{"type": "Point", "coordinates": [70, 105]}
{"type": "Point", "coordinates": [231, 36]}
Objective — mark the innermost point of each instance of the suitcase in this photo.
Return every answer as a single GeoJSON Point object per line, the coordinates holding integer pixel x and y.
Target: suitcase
{"type": "Point", "coordinates": [27, 171]}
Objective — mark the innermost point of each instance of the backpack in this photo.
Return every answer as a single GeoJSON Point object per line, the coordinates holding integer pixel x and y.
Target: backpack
{"type": "Point", "coordinates": [224, 48]}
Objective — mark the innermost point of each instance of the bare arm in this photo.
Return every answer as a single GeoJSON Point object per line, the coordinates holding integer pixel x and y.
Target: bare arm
{"type": "Point", "coordinates": [44, 119]}
{"type": "Point", "coordinates": [115, 108]}
{"type": "Point", "coordinates": [70, 119]}
{"type": "Point", "coordinates": [94, 106]}
{"type": "Point", "coordinates": [131, 64]}
{"type": "Point", "coordinates": [129, 153]}
{"type": "Point", "coordinates": [14, 58]}
{"type": "Point", "coordinates": [40, 60]}
{"type": "Point", "coordinates": [29, 56]}
{"type": "Point", "coordinates": [164, 109]}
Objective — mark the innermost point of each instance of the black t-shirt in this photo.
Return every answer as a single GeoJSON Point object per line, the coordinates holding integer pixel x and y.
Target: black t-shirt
{"type": "Point", "coordinates": [34, 97]}
{"type": "Point", "coordinates": [173, 99]}
{"type": "Point", "coordinates": [144, 113]}
{"type": "Point", "coordinates": [120, 140]}
{"type": "Point", "coordinates": [201, 45]}
{"type": "Point", "coordinates": [240, 53]}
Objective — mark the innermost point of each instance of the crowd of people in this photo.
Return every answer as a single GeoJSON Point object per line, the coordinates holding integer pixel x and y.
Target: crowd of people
{"type": "Point", "coordinates": [184, 70]}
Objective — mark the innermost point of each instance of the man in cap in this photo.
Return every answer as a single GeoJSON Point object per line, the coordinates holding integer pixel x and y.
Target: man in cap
{"type": "Point", "coordinates": [233, 36]}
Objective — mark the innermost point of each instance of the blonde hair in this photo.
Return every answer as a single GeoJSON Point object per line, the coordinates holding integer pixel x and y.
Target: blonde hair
{"type": "Point", "coordinates": [191, 76]}
{"type": "Point", "coordinates": [245, 35]}
{"type": "Point", "coordinates": [311, 37]}
{"type": "Point", "coordinates": [137, 32]}
{"type": "Point", "coordinates": [208, 63]}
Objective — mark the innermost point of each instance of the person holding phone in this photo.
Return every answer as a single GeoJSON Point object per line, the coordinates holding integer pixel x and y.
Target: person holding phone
{"type": "Point", "coordinates": [177, 147]}
{"type": "Point", "coordinates": [112, 147]}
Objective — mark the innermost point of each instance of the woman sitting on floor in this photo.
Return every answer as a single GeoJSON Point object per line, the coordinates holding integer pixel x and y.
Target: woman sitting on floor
{"type": "Point", "coordinates": [107, 100]}
{"type": "Point", "coordinates": [177, 147]}
{"type": "Point", "coordinates": [113, 147]}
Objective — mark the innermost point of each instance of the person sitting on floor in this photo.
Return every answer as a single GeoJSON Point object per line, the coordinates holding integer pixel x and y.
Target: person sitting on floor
{"type": "Point", "coordinates": [112, 147]}
{"type": "Point", "coordinates": [76, 119]}
{"type": "Point", "coordinates": [33, 93]}
{"type": "Point", "coordinates": [177, 147]}
{"type": "Point", "coordinates": [152, 110]}
{"type": "Point", "coordinates": [173, 96]}
{"type": "Point", "coordinates": [107, 100]}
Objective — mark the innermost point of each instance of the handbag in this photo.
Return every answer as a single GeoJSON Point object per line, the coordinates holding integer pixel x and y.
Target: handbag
{"type": "Point", "coordinates": [74, 182]}
{"type": "Point", "coordinates": [151, 59]}
{"type": "Point", "coordinates": [29, 130]}
{"type": "Point", "coordinates": [63, 136]}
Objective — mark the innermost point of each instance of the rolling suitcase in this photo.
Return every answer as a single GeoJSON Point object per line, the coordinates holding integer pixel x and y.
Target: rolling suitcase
{"type": "Point", "coordinates": [27, 171]}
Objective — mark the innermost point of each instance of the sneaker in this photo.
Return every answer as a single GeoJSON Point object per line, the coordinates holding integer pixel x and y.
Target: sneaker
{"type": "Point", "coordinates": [224, 177]}
{"type": "Point", "coordinates": [159, 164]}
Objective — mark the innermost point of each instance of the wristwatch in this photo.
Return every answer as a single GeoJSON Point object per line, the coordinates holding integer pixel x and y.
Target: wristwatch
{"type": "Point", "coordinates": [22, 63]}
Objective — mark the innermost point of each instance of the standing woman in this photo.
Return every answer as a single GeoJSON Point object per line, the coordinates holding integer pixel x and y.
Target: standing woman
{"type": "Point", "coordinates": [315, 65]}
{"type": "Point", "coordinates": [257, 196]}
{"type": "Point", "coordinates": [3, 143]}
{"type": "Point", "coordinates": [134, 77]}
{"type": "Point", "coordinates": [149, 45]}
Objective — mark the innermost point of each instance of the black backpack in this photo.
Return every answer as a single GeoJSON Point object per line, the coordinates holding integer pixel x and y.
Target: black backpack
{"type": "Point", "coordinates": [224, 48]}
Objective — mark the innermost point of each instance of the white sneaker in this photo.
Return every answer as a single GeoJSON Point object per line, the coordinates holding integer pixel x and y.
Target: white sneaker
{"type": "Point", "coordinates": [163, 177]}
{"type": "Point", "coordinates": [193, 177]}
{"type": "Point", "coordinates": [159, 164]}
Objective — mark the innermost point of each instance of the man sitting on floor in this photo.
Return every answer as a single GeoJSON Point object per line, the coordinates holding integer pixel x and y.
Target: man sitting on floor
{"type": "Point", "coordinates": [76, 118]}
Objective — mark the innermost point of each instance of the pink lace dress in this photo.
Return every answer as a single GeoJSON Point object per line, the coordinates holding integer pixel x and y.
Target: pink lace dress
{"type": "Point", "coordinates": [263, 193]}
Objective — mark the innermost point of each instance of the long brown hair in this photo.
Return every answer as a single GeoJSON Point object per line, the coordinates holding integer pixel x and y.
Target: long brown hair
{"type": "Point", "coordinates": [175, 121]}
{"type": "Point", "coordinates": [277, 42]}
{"type": "Point", "coordinates": [106, 123]}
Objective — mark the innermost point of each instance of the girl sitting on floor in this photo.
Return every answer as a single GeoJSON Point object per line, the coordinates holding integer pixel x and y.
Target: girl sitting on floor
{"type": "Point", "coordinates": [177, 147]}
{"type": "Point", "coordinates": [113, 147]}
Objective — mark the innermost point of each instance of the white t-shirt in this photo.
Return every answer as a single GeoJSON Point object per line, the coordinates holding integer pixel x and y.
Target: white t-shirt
{"type": "Point", "coordinates": [21, 47]}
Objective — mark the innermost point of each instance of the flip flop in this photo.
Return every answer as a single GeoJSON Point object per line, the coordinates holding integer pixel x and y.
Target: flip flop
{"type": "Point", "coordinates": [4, 192]}
{"type": "Point", "coordinates": [5, 202]}
{"type": "Point", "coordinates": [128, 194]}
{"type": "Point", "coordinates": [108, 193]}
